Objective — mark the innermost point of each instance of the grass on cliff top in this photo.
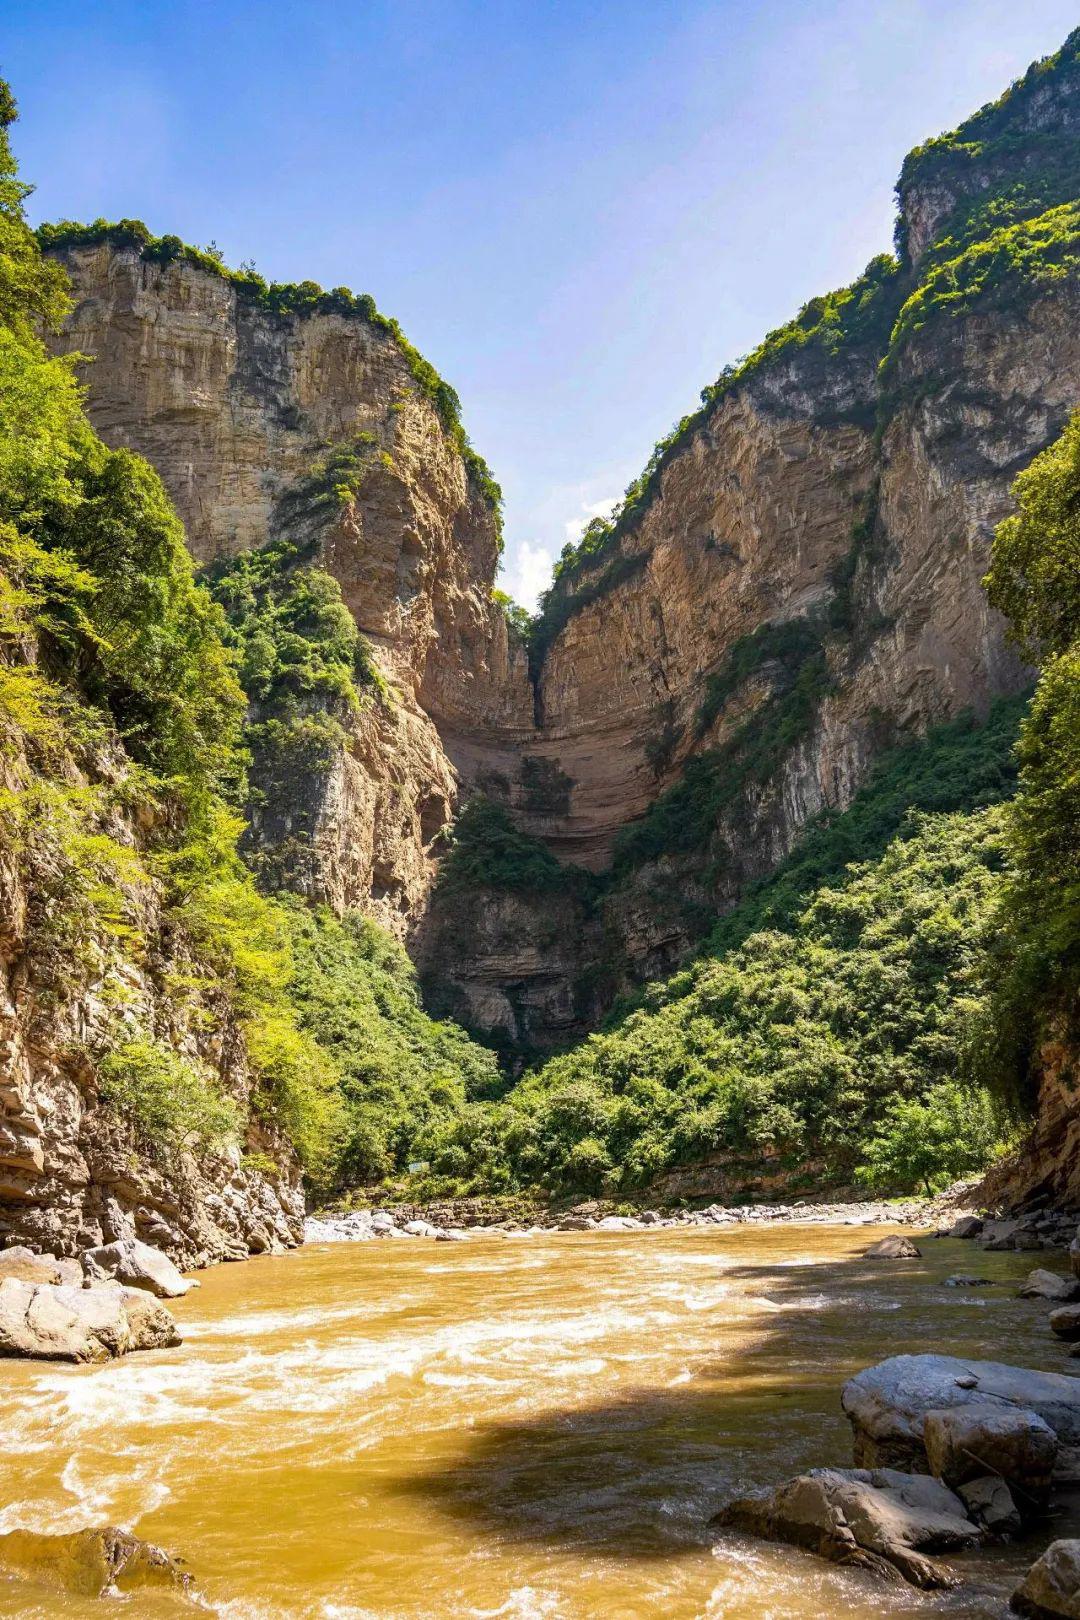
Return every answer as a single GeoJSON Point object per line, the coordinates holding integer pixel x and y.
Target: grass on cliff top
{"type": "Point", "coordinates": [288, 299]}
{"type": "Point", "coordinates": [999, 119]}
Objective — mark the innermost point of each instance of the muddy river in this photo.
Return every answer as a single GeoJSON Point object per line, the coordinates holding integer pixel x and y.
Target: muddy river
{"type": "Point", "coordinates": [509, 1429]}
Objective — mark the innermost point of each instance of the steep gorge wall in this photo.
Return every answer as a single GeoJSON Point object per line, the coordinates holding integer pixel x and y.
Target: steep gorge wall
{"type": "Point", "coordinates": [236, 406]}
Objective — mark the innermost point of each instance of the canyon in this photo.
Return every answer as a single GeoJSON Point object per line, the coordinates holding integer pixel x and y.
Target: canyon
{"type": "Point", "coordinates": [791, 590]}
{"type": "Point", "coordinates": [846, 485]}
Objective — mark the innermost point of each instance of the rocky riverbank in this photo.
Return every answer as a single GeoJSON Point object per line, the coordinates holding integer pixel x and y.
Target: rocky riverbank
{"type": "Point", "coordinates": [463, 1217]}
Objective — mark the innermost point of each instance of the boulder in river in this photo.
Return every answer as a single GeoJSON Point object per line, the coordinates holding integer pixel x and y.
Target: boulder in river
{"type": "Point", "coordinates": [990, 1503]}
{"type": "Point", "coordinates": [965, 1226]}
{"type": "Point", "coordinates": [962, 1279]}
{"type": "Point", "coordinates": [887, 1404]}
{"type": "Point", "coordinates": [62, 1323]}
{"type": "Point", "coordinates": [138, 1265]}
{"type": "Point", "coordinates": [879, 1520]}
{"type": "Point", "coordinates": [88, 1563]}
{"type": "Point", "coordinates": [894, 1248]}
{"type": "Point", "coordinates": [1042, 1284]}
{"type": "Point", "coordinates": [1051, 1588]}
{"type": "Point", "coordinates": [965, 1443]}
{"type": "Point", "coordinates": [1065, 1321]}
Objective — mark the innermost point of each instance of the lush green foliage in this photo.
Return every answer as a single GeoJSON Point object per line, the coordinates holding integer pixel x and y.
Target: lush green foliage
{"type": "Point", "coordinates": [1015, 262]}
{"type": "Point", "coordinates": [1035, 580]}
{"type": "Point", "coordinates": [786, 1047]}
{"type": "Point", "coordinates": [486, 850]}
{"type": "Point", "coordinates": [1000, 163]}
{"type": "Point", "coordinates": [953, 1130]}
{"type": "Point", "coordinates": [303, 664]}
{"type": "Point", "coordinates": [401, 1074]}
{"type": "Point", "coordinates": [286, 299]}
{"type": "Point", "coordinates": [172, 1101]}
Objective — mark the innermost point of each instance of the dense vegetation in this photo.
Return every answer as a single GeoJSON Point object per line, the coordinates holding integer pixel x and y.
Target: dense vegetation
{"type": "Point", "coordinates": [1006, 162]}
{"type": "Point", "coordinates": [1035, 581]}
{"type": "Point", "coordinates": [286, 299]}
{"type": "Point", "coordinates": [850, 977]}
{"type": "Point", "coordinates": [306, 672]}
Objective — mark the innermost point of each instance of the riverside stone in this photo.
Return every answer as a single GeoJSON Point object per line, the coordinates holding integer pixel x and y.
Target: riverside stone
{"type": "Point", "coordinates": [138, 1265]}
{"type": "Point", "coordinates": [56, 1322]}
{"type": "Point", "coordinates": [1042, 1284]}
{"type": "Point", "coordinates": [887, 1404]}
{"type": "Point", "coordinates": [894, 1248]}
{"type": "Point", "coordinates": [990, 1503]}
{"type": "Point", "coordinates": [968, 1226]}
{"type": "Point", "coordinates": [965, 1443]}
{"type": "Point", "coordinates": [89, 1563]}
{"type": "Point", "coordinates": [1051, 1588]}
{"type": "Point", "coordinates": [1065, 1321]}
{"type": "Point", "coordinates": [878, 1520]}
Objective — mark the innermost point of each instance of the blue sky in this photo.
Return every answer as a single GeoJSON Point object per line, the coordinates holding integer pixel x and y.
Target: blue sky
{"type": "Point", "coordinates": [578, 211]}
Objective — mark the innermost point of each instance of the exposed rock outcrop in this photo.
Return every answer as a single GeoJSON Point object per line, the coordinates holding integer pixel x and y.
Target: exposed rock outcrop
{"type": "Point", "coordinates": [888, 1405]}
{"type": "Point", "coordinates": [238, 407]}
{"type": "Point", "coordinates": [89, 1563]}
{"type": "Point", "coordinates": [58, 1322]}
{"type": "Point", "coordinates": [878, 1520]}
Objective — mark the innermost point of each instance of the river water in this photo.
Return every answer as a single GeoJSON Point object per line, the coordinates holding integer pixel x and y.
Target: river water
{"type": "Point", "coordinates": [531, 1428]}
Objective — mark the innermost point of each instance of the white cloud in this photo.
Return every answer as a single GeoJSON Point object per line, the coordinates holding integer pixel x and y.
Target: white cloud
{"type": "Point", "coordinates": [575, 526]}
{"type": "Point", "coordinates": [528, 571]}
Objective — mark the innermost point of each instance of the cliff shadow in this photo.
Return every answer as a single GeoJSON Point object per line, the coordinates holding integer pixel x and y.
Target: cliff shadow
{"type": "Point", "coordinates": [638, 1475]}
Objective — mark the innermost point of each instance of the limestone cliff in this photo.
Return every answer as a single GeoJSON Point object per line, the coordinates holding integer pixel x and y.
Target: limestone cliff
{"type": "Point", "coordinates": [240, 407]}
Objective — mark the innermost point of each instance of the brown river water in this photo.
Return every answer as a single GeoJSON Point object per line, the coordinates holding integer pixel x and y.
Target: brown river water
{"type": "Point", "coordinates": [531, 1428]}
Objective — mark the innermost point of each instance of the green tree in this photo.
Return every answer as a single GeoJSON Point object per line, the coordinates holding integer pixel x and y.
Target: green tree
{"type": "Point", "coordinates": [929, 1141]}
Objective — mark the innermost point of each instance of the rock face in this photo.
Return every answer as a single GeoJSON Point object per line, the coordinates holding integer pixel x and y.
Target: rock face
{"type": "Point", "coordinates": [72, 1176]}
{"type": "Point", "coordinates": [58, 1322]}
{"type": "Point", "coordinates": [237, 408]}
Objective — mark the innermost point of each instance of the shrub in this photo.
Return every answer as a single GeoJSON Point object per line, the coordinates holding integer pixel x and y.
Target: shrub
{"type": "Point", "coordinates": [925, 1143]}
{"type": "Point", "coordinates": [172, 1102]}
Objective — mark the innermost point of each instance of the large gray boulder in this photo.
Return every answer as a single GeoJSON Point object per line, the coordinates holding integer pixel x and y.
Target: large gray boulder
{"type": "Point", "coordinates": [887, 1404]}
{"type": "Point", "coordinates": [878, 1520]}
{"type": "Point", "coordinates": [56, 1322]}
{"type": "Point", "coordinates": [989, 1502]}
{"type": "Point", "coordinates": [1042, 1284]}
{"type": "Point", "coordinates": [138, 1265]}
{"type": "Point", "coordinates": [88, 1563]}
{"type": "Point", "coordinates": [965, 1443]}
{"type": "Point", "coordinates": [1051, 1588]}
{"type": "Point", "coordinates": [966, 1226]}
{"type": "Point", "coordinates": [1065, 1321]}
